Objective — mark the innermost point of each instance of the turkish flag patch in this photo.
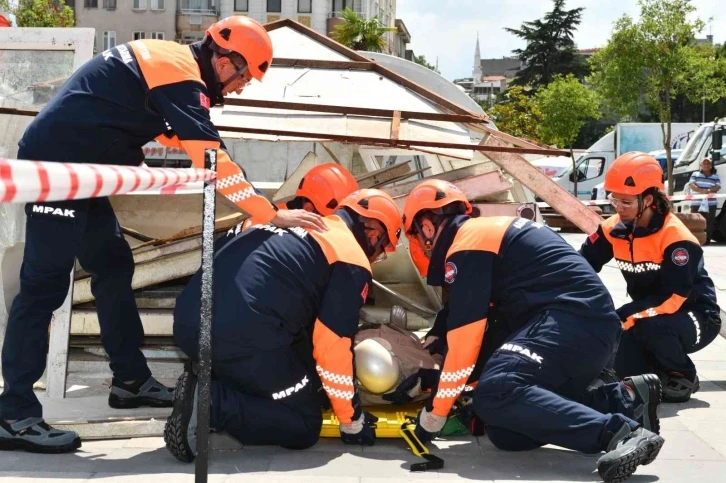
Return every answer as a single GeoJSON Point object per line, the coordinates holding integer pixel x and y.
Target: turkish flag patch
{"type": "Point", "coordinates": [364, 293]}
{"type": "Point", "coordinates": [680, 256]}
{"type": "Point", "coordinates": [593, 238]}
{"type": "Point", "coordinates": [204, 101]}
{"type": "Point", "coordinates": [450, 272]}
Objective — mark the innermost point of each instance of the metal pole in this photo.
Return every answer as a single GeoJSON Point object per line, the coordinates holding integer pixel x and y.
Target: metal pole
{"type": "Point", "coordinates": [205, 326]}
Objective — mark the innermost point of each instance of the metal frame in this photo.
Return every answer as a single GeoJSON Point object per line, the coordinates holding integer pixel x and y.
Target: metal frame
{"type": "Point", "coordinates": [80, 42]}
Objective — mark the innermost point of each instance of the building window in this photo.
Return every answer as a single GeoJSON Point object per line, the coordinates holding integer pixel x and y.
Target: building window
{"type": "Point", "coordinates": [109, 39]}
{"type": "Point", "coordinates": [90, 3]}
{"type": "Point", "coordinates": [274, 5]}
{"type": "Point", "coordinates": [139, 35]}
{"type": "Point", "coordinates": [139, 5]}
{"type": "Point", "coordinates": [109, 4]}
{"type": "Point", "coordinates": [304, 6]}
{"type": "Point", "coordinates": [157, 35]}
{"type": "Point", "coordinates": [157, 4]}
{"type": "Point", "coordinates": [340, 5]}
{"type": "Point", "coordinates": [241, 5]}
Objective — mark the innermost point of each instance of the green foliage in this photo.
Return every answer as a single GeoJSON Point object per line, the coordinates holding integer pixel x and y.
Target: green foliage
{"type": "Point", "coordinates": [650, 63]}
{"type": "Point", "coordinates": [40, 13]}
{"type": "Point", "coordinates": [550, 49]}
{"type": "Point", "coordinates": [565, 105]}
{"type": "Point", "coordinates": [358, 33]}
{"type": "Point", "coordinates": [421, 60]}
{"type": "Point", "coordinates": [517, 114]}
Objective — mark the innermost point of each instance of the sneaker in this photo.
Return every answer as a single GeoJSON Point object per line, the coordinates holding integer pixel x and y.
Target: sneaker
{"type": "Point", "coordinates": [35, 436]}
{"type": "Point", "coordinates": [678, 389]}
{"type": "Point", "coordinates": [150, 393]}
{"type": "Point", "coordinates": [647, 389]}
{"type": "Point", "coordinates": [180, 432]}
{"type": "Point", "coordinates": [625, 454]}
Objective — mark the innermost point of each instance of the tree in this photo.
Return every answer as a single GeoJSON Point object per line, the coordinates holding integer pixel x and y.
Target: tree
{"type": "Point", "coordinates": [421, 60]}
{"type": "Point", "coordinates": [649, 63]}
{"type": "Point", "coordinates": [517, 114]}
{"type": "Point", "coordinates": [565, 105]}
{"type": "Point", "coordinates": [550, 49]}
{"type": "Point", "coordinates": [40, 13]}
{"type": "Point", "coordinates": [358, 33]}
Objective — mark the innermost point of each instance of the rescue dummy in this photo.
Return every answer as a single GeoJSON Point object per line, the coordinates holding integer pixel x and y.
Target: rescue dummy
{"type": "Point", "coordinates": [673, 311]}
{"type": "Point", "coordinates": [286, 306]}
{"type": "Point", "coordinates": [558, 329]}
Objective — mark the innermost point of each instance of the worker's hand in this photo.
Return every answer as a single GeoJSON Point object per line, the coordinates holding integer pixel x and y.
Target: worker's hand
{"type": "Point", "coordinates": [360, 431]}
{"type": "Point", "coordinates": [301, 218]}
{"type": "Point", "coordinates": [429, 426]}
{"type": "Point", "coordinates": [418, 382]}
{"type": "Point", "coordinates": [435, 345]}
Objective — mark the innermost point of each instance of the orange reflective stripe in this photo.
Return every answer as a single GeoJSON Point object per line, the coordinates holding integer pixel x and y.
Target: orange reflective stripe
{"type": "Point", "coordinates": [334, 364]}
{"type": "Point", "coordinates": [339, 244]}
{"type": "Point", "coordinates": [164, 63]}
{"type": "Point", "coordinates": [485, 234]}
{"type": "Point", "coordinates": [169, 142]}
{"type": "Point", "coordinates": [670, 306]}
{"type": "Point", "coordinates": [464, 345]}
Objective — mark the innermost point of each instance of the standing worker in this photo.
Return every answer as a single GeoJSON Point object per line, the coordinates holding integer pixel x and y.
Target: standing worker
{"type": "Point", "coordinates": [533, 390]}
{"type": "Point", "coordinates": [674, 311]}
{"type": "Point", "coordinates": [105, 113]}
{"type": "Point", "coordinates": [286, 308]}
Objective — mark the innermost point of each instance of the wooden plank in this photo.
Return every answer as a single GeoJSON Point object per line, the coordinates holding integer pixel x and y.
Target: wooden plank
{"type": "Point", "coordinates": [378, 172]}
{"type": "Point", "coordinates": [384, 175]}
{"type": "Point", "coordinates": [401, 178]}
{"type": "Point", "coordinates": [222, 224]}
{"type": "Point", "coordinates": [330, 153]}
{"type": "Point", "coordinates": [289, 187]}
{"type": "Point", "coordinates": [57, 363]}
{"type": "Point", "coordinates": [135, 234]}
{"type": "Point", "coordinates": [156, 322]}
{"type": "Point", "coordinates": [451, 176]}
{"type": "Point", "coordinates": [395, 125]}
{"type": "Point", "coordinates": [147, 274]}
{"type": "Point", "coordinates": [552, 193]}
{"type": "Point", "coordinates": [322, 64]}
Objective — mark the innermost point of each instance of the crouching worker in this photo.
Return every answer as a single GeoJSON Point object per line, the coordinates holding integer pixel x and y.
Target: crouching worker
{"type": "Point", "coordinates": [532, 391]}
{"type": "Point", "coordinates": [286, 306]}
{"type": "Point", "coordinates": [674, 311]}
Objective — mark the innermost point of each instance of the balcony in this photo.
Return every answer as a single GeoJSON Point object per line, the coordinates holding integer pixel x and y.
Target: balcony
{"type": "Point", "coordinates": [195, 16]}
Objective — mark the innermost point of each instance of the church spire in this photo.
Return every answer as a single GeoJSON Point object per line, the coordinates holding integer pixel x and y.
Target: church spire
{"type": "Point", "coordinates": [476, 74]}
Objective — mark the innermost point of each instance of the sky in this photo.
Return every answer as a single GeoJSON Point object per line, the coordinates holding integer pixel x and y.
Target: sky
{"type": "Point", "coordinates": [448, 29]}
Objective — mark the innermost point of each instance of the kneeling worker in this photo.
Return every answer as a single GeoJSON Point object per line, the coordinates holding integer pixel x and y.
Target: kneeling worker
{"type": "Point", "coordinates": [286, 305]}
{"type": "Point", "coordinates": [563, 329]}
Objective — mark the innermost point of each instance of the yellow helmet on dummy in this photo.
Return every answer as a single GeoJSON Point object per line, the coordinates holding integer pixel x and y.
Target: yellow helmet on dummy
{"type": "Point", "coordinates": [376, 367]}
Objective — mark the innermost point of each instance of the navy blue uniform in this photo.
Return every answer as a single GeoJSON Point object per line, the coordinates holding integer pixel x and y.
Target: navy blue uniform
{"type": "Point", "coordinates": [106, 111]}
{"type": "Point", "coordinates": [286, 305]}
{"type": "Point", "coordinates": [560, 329]}
{"type": "Point", "coordinates": [674, 310]}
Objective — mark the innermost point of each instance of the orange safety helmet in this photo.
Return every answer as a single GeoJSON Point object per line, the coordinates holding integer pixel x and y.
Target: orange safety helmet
{"type": "Point", "coordinates": [245, 36]}
{"type": "Point", "coordinates": [432, 194]}
{"type": "Point", "coordinates": [378, 205]}
{"type": "Point", "coordinates": [325, 185]}
{"type": "Point", "coordinates": [633, 173]}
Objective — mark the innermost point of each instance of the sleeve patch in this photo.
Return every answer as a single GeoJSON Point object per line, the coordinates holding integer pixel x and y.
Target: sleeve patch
{"type": "Point", "coordinates": [204, 101]}
{"type": "Point", "coordinates": [450, 272]}
{"type": "Point", "coordinates": [679, 256]}
{"type": "Point", "coordinates": [593, 238]}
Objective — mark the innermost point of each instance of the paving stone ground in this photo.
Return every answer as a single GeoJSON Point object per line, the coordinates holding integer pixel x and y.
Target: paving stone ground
{"type": "Point", "coordinates": [695, 448]}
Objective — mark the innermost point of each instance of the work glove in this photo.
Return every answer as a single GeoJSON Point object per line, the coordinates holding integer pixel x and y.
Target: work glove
{"type": "Point", "coordinates": [360, 431]}
{"type": "Point", "coordinates": [412, 386]}
{"type": "Point", "coordinates": [435, 345]}
{"type": "Point", "coordinates": [429, 425]}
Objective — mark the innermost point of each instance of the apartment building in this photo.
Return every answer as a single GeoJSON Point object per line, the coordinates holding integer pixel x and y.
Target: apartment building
{"type": "Point", "coordinates": [119, 21]}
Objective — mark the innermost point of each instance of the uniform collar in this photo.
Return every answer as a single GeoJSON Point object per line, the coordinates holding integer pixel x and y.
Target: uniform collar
{"type": "Point", "coordinates": [623, 231]}
{"type": "Point", "coordinates": [203, 56]}
{"type": "Point", "coordinates": [435, 275]}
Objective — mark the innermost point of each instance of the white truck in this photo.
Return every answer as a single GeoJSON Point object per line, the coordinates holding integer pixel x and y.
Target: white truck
{"type": "Point", "coordinates": [700, 146]}
{"type": "Point", "coordinates": [625, 137]}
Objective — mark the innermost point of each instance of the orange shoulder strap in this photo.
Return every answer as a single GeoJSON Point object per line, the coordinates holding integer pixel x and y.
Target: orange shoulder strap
{"type": "Point", "coordinates": [339, 244]}
{"type": "Point", "coordinates": [163, 62]}
{"type": "Point", "coordinates": [482, 234]}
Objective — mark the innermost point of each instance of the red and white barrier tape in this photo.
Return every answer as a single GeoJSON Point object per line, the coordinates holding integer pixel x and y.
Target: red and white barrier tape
{"type": "Point", "coordinates": [542, 204]}
{"type": "Point", "coordinates": [39, 181]}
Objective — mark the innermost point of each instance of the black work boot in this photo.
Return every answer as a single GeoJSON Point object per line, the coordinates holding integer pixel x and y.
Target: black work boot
{"type": "Point", "coordinates": [35, 436]}
{"type": "Point", "coordinates": [141, 393]}
{"type": "Point", "coordinates": [678, 388]}
{"type": "Point", "coordinates": [627, 450]}
{"type": "Point", "coordinates": [180, 432]}
{"type": "Point", "coordinates": [647, 389]}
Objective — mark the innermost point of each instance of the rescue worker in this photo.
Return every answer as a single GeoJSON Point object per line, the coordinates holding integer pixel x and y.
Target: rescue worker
{"type": "Point", "coordinates": [673, 311]}
{"type": "Point", "coordinates": [320, 191]}
{"type": "Point", "coordinates": [286, 306]}
{"type": "Point", "coordinates": [560, 330]}
{"type": "Point", "coordinates": [105, 113]}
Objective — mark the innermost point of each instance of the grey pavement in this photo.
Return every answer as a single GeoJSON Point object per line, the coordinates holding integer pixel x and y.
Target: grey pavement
{"type": "Point", "coordinates": [695, 448]}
